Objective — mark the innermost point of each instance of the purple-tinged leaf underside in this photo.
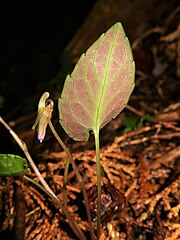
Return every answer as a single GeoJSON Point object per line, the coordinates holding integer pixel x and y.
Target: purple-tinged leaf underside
{"type": "Point", "coordinates": [100, 85]}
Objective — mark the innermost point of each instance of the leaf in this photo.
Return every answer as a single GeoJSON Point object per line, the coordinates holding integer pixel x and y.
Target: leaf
{"type": "Point", "coordinates": [12, 165]}
{"type": "Point", "coordinates": [130, 122]}
{"type": "Point", "coordinates": [99, 86]}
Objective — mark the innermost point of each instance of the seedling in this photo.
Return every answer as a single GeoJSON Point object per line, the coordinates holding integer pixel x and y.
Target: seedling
{"type": "Point", "coordinates": [96, 92]}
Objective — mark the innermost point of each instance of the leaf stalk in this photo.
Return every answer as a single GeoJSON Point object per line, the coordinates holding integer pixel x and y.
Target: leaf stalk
{"type": "Point", "coordinates": [98, 169]}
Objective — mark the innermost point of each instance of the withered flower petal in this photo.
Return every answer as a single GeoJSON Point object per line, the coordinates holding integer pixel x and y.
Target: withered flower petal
{"type": "Point", "coordinates": [45, 109]}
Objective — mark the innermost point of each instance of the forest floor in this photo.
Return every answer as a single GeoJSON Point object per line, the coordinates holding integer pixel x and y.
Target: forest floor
{"type": "Point", "coordinates": [140, 159]}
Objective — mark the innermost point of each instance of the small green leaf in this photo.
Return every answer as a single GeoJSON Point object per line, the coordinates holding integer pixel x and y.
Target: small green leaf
{"type": "Point", "coordinates": [100, 85]}
{"type": "Point", "coordinates": [130, 122]}
{"type": "Point", "coordinates": [12, 165]}
{"type": "Point", "coordinates": [146, 117]}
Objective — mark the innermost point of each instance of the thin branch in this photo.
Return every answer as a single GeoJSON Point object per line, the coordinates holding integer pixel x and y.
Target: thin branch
{"type": "Point", "coordinates": [45, 186]}
{"type": "Point", "coordinates": [72, 223]}
{"type": "Point", "coordinates": [28, 156]}
{"type": "Point", "coordinates": [69, 158]}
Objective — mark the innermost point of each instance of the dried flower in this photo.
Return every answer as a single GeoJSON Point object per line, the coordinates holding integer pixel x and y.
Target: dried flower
{"type": "Point", "coordinates": [45, 108]}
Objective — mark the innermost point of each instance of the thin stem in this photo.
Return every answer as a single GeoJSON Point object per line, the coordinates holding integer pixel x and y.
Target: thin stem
{"type": "Point", "coordinates": [25, 150]}
{"type": "Point", "coordinates": [66, 171]}
{"type": "Point", "coordinates": [98, 169]}
{"type": "Point", "coordinates": [65, 182]}
{"type": "Point", "coordinates": [78, 175]}
{"type": "Point", "coordinates": [44, 190]}
{"type": "Point", "coordinates": [72, 223]}
{"type": "Point", "coordinates": [45, 186]}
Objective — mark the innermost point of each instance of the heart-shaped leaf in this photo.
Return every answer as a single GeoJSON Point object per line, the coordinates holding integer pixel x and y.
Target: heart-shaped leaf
{"type": "Point", "coordinates": [99, 86]}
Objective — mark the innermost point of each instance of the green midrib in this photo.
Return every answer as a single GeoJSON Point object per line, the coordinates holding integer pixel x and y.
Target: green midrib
{"type": "Point", "coordinates": [104, 84]}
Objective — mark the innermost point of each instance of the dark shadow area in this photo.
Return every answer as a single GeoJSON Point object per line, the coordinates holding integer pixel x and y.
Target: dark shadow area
{"type": "Point", "coordinates": [33, 36]}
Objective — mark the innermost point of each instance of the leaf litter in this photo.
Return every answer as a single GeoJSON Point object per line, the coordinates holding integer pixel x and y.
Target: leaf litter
{"type": "Point", "coordinates": [140, 169]}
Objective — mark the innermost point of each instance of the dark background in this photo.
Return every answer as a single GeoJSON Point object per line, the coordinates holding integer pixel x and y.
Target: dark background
{"type": "Point", "coordinates": [33, 36]}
